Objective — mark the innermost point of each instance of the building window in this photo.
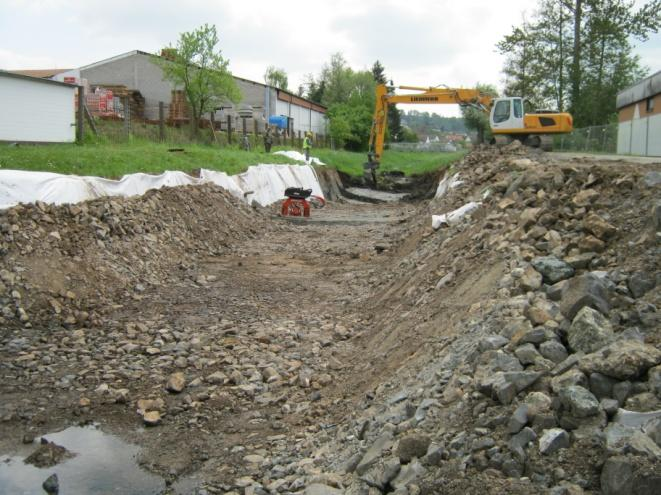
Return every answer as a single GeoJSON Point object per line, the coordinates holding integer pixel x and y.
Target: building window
{"type": "Point", "coordinates": [649, 106]}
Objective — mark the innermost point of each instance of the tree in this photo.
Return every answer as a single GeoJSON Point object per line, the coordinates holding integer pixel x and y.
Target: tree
{"type": "Point", "coordinates": [554, 37]}
{"type": "Point", "coordinates": [349, 96]}
{"type": "Point", "coordinates": [276, 77]}
{"type": "Point", "coordinates": [336, 79]}
{"type": "Point", "coordinates": [476, 119]}
{"type": "Point", "coordinates": [200, 69]}
{"type": "Point", "coordinates": [408, 135]}
{"type": "Point", "coordinates": [607, 64]}
{"type": "Point", "coordinates": [394, 127]}
{"type": "Point", "coordinates": [378, 73]}
{"type": "Point", "coordinates": [577, 54]}
{"type": "Point", "coordinates": [423, 123]}
{"type": "Point", "coordinates": [350, 125]}
{"type": "Point", "coordinates": [315, 90]}
{"type": "Point", "coordinates": [523, 74]}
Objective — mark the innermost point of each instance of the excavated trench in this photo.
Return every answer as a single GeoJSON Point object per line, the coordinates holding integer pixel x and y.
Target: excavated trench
{"type": "Point", "coordinates": [249, 293]}
{"type": "Point", "coordinates": [352, 353]}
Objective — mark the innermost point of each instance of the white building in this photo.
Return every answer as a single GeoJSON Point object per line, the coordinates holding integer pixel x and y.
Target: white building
{"type": "Point", "coordinates": [36, 110]}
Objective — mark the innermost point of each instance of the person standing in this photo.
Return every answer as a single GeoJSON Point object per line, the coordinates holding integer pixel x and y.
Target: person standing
{"type": "Point", "coordinates": [307, 145]}
{"type": "Point", "coordinates": [268, 140]}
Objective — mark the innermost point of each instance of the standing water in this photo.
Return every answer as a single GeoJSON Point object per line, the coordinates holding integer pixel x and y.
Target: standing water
{"type": "Point", "coordinates": [101, 464]}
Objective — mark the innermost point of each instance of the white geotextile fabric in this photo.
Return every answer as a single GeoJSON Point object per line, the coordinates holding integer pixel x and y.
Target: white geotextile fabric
{"type": "Point", "coordinates": [299, 157]}
{"type": "Point", "coordinates": [263, 183]}
{"type": "Point", "coordinates": [454, 216]}
{"type": "Point", "coordinates": [266, 184]}
{"type": "Point", "coordinates": [448, 182]}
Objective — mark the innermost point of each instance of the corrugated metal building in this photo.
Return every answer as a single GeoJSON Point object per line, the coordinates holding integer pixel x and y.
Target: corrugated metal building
{"type": "Point", "coordinates": [639, 108]}
{"type": "Point", "coordinates": [36, 110]}
{"type": "Point", "coordinates": [137, 71]}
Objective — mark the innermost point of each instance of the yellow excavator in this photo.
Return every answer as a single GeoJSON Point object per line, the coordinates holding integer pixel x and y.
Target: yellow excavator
{"type": "Point", "coordinates": [507, 119]}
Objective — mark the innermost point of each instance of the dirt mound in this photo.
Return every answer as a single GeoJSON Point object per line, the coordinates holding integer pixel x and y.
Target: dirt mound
{"type": "Point", "coordinates": [66, 264]}
{"type": "Point", "coordinates": [489, 337]}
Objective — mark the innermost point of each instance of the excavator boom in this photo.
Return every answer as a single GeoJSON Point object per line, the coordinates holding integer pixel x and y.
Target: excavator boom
{"type": "Point", "coordinates": [385, 97]}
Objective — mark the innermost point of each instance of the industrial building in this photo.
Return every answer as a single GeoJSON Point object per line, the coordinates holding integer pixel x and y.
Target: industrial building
{"type": "Point", "coordinates": [639, 118]}
{"type": "Point", "coordinates": [138, 71]}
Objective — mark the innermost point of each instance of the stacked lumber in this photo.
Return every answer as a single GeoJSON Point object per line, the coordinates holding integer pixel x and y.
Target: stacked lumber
{"type": "Point", "coordinates": [179, 110]}
{"type": "Point", "coordinates": [136, 100]}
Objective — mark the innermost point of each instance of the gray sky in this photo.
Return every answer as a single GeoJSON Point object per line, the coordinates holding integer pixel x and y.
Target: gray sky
{"type": "Point", "coordinates": [419, 42]}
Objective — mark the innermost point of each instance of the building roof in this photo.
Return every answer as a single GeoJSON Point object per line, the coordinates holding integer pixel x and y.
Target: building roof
{"type": "Point", "coordinates": [113, 59]}
{"type": "Point", "coordinates": [642, 90]}
{"type": "Point", "coordinates": [140, 52]}
{"type": "Point", "coordinates": [297, 100]}
{"type": "Point", "coordinates": [43, 73]}
{"type": "Point", "coordinates": [13, 75]}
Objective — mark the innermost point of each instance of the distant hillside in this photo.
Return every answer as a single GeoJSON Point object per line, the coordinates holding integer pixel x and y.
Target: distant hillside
{"type": "Point", "coordinates": [424, 123]}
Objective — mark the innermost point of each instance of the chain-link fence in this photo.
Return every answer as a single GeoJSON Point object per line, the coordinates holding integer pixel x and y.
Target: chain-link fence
{"type": "Point", "coordinates": [123, 119]}
{"type": "Point", "coordinates": [432, 147]}
{"type": "Point", "coordinates": [596, 139]}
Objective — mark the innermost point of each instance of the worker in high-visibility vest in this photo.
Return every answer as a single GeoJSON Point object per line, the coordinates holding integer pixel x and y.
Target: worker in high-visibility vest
{"type": "Point", "coordinates": [307, 145]}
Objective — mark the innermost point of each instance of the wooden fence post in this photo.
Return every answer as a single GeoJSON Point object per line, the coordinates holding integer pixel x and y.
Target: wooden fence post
{"type": "Point", "coordinates": [161, 121]}
{"type": "Point", "coordinates": [127, 117]}
{"type": "Point", "coordinates": [229, 129]}
{"type": "Point", "coordinates": [212, 124]}
{"type": "Point", "coordinates": [79, 119]}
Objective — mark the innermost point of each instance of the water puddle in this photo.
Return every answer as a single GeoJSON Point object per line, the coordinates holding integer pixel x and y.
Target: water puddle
{"type": "Point", "coordinates": [102, 464]}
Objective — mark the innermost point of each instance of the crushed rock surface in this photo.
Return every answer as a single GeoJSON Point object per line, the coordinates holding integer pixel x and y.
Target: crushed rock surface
{"type": "Point", "coordinates": [373, 355]}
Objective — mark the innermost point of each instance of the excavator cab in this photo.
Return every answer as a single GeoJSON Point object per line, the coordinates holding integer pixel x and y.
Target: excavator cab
{"type": "Point", "coordinates": [506, 113]}
{"type": "Point", "coordinates": [509, 122]}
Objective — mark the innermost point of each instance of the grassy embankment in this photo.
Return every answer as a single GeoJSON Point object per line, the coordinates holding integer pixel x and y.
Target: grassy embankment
{"type": "Point", "coordinates": [411, 163]}
{"type": "Point", "coordinates": [115, 160]}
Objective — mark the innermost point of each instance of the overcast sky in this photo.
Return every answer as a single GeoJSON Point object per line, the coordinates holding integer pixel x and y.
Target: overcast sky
{"type": "Point", "coordinates": [419, 42]}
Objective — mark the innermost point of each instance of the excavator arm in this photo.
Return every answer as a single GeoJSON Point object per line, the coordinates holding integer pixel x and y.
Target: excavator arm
{"type": "Point", "coordinates": [385, 96]}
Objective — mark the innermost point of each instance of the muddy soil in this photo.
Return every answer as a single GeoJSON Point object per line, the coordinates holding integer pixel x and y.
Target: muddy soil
{"type": "Point", "coordinates": [287, 299]}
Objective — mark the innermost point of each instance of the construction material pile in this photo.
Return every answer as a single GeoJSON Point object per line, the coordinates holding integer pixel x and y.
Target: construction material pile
{"type": "Point", "coordinates": [517, 350]}
{"type": "Point", "coordinates": [66, 264]}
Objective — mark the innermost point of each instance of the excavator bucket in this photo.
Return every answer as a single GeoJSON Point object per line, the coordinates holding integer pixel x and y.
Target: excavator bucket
{"type": "Point", "coordinates": [369, 170]}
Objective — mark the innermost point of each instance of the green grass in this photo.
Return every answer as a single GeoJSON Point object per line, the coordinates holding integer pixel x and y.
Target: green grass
{"type": "Point", "coordinates": [115, 160]}
{"type": "Point", "coordinates": [410, 163]}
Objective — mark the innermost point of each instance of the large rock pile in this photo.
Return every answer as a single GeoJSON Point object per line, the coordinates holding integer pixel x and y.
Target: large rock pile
{"type": "Point", "coordinates": [62, 265]}
{"type": "Point", "coordinates": [539, 315]}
